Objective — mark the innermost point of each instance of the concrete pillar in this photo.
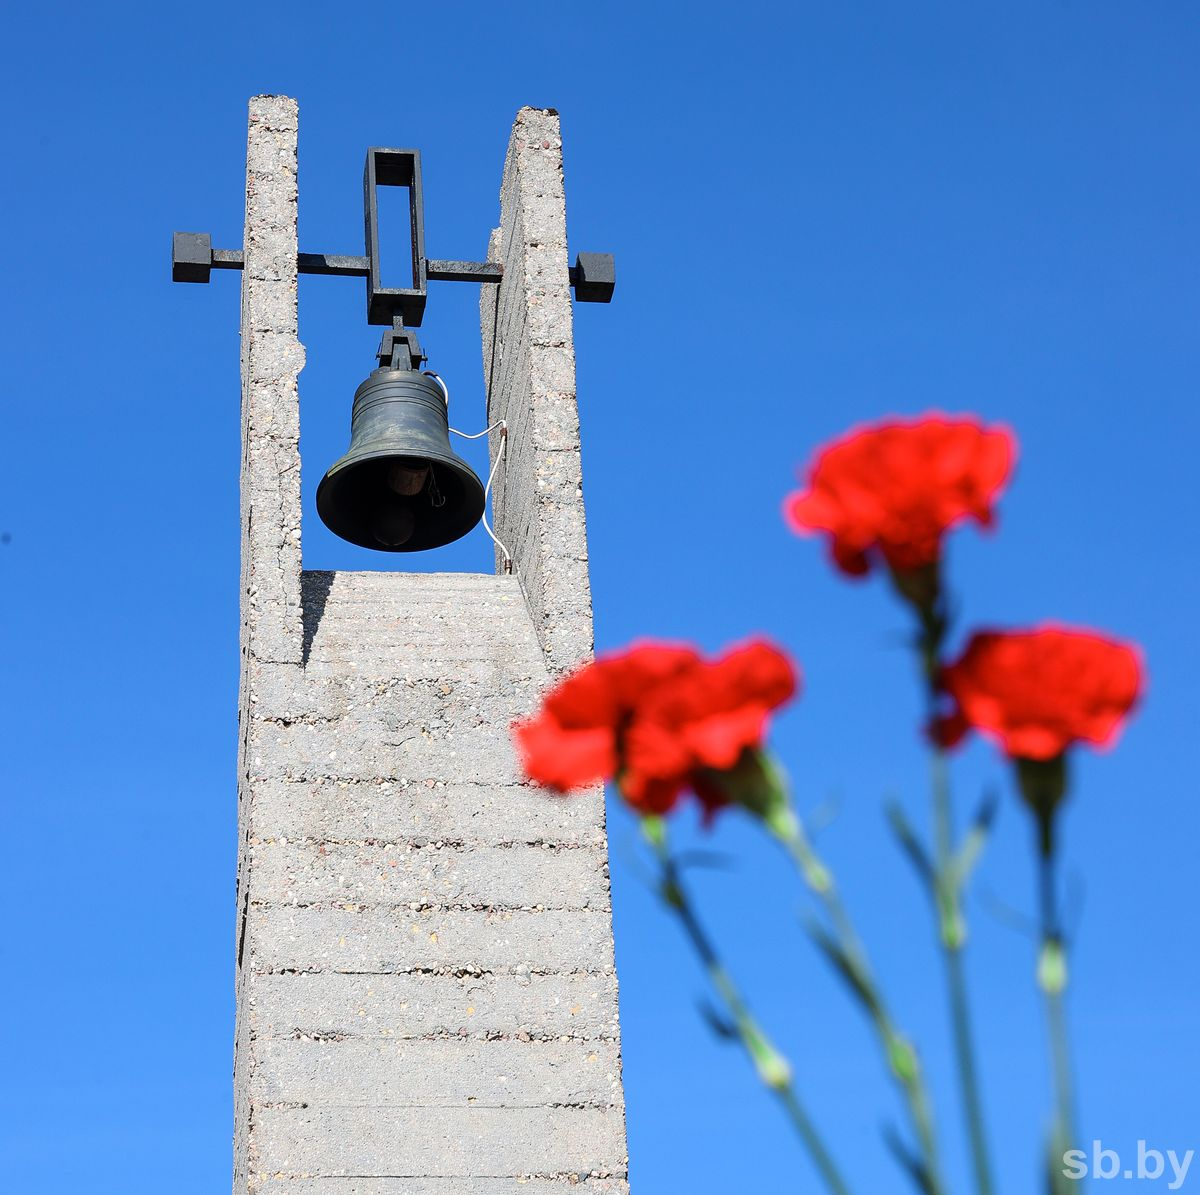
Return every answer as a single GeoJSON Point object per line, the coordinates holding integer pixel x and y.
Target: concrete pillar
{"type": "Point", "coordinates": [529, 365]}
{"type": "Point", "coordinates": [272, 358]}
{"type": "Point", "coordinates": [426, 994]}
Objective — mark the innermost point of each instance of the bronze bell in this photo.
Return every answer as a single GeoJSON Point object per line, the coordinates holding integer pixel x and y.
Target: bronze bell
{"type": "Point", "coordinates": [400, 487]}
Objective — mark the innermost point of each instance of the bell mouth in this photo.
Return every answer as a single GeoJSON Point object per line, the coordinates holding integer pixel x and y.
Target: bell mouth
{"type": "Point", "coordinates": [363, 500]}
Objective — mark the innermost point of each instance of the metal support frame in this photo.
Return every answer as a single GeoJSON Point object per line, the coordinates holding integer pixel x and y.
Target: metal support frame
{"type": "Point", "coordinates": [400, 348]}
{"type": "Point", "coordinates": [193, 258]}
{"type": "Point", "coordinates": [394, 168]}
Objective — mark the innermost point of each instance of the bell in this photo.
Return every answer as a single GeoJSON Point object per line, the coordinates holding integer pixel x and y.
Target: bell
{"type": "Point", "coordinates": [400, 487]}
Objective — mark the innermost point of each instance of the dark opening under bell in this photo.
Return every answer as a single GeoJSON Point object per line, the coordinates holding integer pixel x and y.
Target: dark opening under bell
{"type": "Point", "coordinates": [400, 487]}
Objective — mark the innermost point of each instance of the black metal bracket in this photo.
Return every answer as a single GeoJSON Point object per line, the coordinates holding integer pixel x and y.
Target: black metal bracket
{"type": "Point", "coordinates": [400, 348]}
{"type": "Point", "coordinates": [395, 168]}
{"type": "Point", "coordinates": [193, 258]}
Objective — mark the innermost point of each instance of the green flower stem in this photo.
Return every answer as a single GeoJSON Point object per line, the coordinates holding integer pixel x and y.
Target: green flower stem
{"type": "Point", "coordinates": [1052, 979]}
{"type": "Point", "coordinates": [952, 938]}
{"type": "Point", "coordinates": [899, 1055]}
{"type": "Point", "coordinates": [773, 1068]}
{"type": "Point", "coordinates": [952, 930]}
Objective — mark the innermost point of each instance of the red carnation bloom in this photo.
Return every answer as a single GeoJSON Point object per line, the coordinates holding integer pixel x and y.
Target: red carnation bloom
{"type": "Point", "coordinates": [1038, 692]}
{"type": "Point", "coordinates": [573, 740]}
{"type": "Point", "coordinates": [896, 488]}
{"type": "Point", "coordinates": [658, 719]}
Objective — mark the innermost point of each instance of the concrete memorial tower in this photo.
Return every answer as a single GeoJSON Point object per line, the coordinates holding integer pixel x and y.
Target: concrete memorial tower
{"type": "Point", "coordinates": [426, 999]}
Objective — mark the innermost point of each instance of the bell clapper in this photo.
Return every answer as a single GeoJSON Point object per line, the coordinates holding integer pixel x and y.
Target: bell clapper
{"type": "Point", "coordinates": [394, 525]}
{"type": "Point", "coordinates": [408, 477]}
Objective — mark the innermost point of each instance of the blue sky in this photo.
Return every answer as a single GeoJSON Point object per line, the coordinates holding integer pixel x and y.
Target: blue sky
{"type": "Point", "coordinates": [821, 214]}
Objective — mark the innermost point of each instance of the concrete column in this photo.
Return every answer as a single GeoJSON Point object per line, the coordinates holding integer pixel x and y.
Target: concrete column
{"type": "Point", "coordinates": [271, 613]}
{"type": "Point", "coordinates": [426, 993]}
{"type": "Point", "coordinates": [272, 358]}
{"type": "Point", "coordinates": [529, 368]}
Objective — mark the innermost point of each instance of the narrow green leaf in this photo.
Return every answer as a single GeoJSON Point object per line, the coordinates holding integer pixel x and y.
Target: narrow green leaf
{"type": "Point", "coordinates": [704, 860]}
{"type": "Point", "coordinates": [910, 844]}
{"type": "Point", "coordinates": [908, 1161]}
{"type": "Point", "coordinates": [721, 1026]}
{"type": "Point", "coordinates": [844, 966]}
{"type": "Point", "coordinates": [975, 839]}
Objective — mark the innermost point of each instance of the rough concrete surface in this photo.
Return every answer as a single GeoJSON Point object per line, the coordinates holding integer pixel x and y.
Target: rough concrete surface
{"type": "Point", "coordinates": [427, 1003]}
{"type": "Point", "coordinates": [529, 364]}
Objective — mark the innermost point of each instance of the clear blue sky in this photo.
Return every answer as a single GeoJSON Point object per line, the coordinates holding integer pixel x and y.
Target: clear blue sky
{"type": "Point", "coordinates": [821, 214]}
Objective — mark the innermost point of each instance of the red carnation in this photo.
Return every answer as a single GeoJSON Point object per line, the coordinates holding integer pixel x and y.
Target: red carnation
{"type": "Point", "coordinates": [896, 488]}
{"type": "Point", "coordinates": [1038, 692]}
{"type": "Point", "coordinates": [659, 719]}
{"type": "Point", "coordinates": [573, 740]}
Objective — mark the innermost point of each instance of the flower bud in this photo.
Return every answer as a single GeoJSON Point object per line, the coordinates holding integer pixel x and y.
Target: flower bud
{"type": "Point", "coordinates": [902, 1058]}
{"type": "Point", "coordinates": [755, 783]}
{"type": "Point", "coordinates": [654, 830]}
{"type": "Point", "coordinates": [774, 1070]}
{"type": "Point", "coordinates": [1052, 968]}
{"type": "Point", "coordinates": [920, 587]}
{"type": "Point", "coordinates": [952, 924]}
{"type": "Point", "coordinates": [1043, 785]}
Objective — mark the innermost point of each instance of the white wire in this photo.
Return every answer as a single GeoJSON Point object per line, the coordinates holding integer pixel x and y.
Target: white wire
{"type": "Point", "coordinates": [487, 489]}
{"type": "Point", "coordinates": [445, 389]}
{"type": "Point", "coordinates": [476, 435]}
